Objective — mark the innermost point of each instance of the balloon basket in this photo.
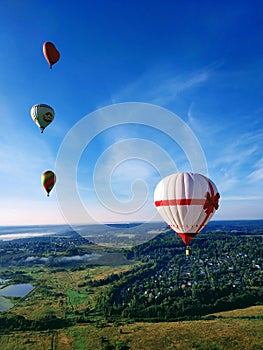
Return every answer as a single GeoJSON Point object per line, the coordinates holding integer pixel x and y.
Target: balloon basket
{"type": "Point", "coordinates": [188, 251]}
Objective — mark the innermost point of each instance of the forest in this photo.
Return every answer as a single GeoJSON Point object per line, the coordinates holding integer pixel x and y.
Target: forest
{"type": "Point", "coordinates": [224, 272]}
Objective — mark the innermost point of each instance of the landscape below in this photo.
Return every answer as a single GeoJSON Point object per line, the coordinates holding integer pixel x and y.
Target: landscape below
{"type": "Point", "coordinates": [149, 296]}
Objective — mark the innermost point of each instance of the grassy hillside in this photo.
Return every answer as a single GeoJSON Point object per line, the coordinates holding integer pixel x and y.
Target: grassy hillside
{"type": "Point", "coordinates": [238, 329]}
{"type": "Point", "coordinates": [58, 293]}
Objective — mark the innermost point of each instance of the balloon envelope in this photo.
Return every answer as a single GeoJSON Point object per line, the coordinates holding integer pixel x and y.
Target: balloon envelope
{"type": "Point", "coordinates": [48, 180]}
{"type": "Point", "coordinates": [51, 53]}
{"type": "Point", "coordinates": [42, 115]}
{"type": "Point", "coordinates": [186, 201]}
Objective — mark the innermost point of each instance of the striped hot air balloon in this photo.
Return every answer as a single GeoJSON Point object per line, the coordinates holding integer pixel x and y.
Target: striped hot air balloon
{"type": "Point", "coordinates": [186, 201]}
{"type": "Point", "coordinates": [48, 180]}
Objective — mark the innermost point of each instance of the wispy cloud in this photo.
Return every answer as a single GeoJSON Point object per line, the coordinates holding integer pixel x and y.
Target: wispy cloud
{"type": "Point", "coordinates": [231, 163]}
{"type": "Point", "coordinates": [124, 162]}
{"type": "Point", "coordinates": [169, 89]}
{"type": "Point", "coordinates": [257, 175]}
{"type": "Point", "coordinates": [242, 198]}
{"type": "Point", "coordinates": [235, 152]}
{"type": "Point", "coordinates": [234, 156]}
{"type": "Point", "coordinates": [203, 126]}
{"type": "Point", "coordinates": [226, 182]}
{"type": "Point", "coordinates": [161, 85]}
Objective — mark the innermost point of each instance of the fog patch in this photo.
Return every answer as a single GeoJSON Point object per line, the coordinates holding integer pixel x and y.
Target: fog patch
{"type": "Point", "coordinates": [57, 260]}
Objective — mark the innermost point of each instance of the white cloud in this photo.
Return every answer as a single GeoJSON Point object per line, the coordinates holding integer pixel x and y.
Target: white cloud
{"type": "Point", "coordinates": [237, 151]}
{"type": "Point", "coordinates": [226, 184]}
{"type": "Point", "coordinates": [161, 85]}
{"type": "Point", "coordinates": [242, 198]}
{"type": "Point", "coordinates": [257, 175]}
{"type": "Point", "coordinates": [201, 124]}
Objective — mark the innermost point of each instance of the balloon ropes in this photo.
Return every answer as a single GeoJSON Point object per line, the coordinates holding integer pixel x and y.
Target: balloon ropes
{"type": "Point", "coordinates": [186, 201]}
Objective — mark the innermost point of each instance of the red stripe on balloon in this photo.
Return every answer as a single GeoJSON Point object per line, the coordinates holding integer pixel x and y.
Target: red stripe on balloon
{"type": "Point", "coordinates": [183, 201]}
{"type": "Point", "coordinates": [49, 183]}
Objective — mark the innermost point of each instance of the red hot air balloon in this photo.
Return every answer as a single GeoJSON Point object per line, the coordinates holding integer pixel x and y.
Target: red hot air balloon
{"type": "Point", "coordinates": [51, 53]}
{"type": "Point", "coordinates": [186, 201]}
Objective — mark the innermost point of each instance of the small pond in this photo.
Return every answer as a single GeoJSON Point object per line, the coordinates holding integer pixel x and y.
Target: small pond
{"type": "Point", "coordinates": [5, 304]}
{"type": "Point", "coordinates": [14, 290]}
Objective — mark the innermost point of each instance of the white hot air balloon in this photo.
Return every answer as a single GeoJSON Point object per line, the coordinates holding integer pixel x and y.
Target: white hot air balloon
{"type": "Point", "coordinates": [42, 115]}
{"type": "Point", "coordinates": [186, 201]}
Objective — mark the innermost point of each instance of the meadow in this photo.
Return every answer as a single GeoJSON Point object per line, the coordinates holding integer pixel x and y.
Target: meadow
{"type": "Point", "coordinates": [58, 294]}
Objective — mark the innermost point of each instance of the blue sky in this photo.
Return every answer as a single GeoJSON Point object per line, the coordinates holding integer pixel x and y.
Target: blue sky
{"type": "Point", "coordinates": [199, 60]}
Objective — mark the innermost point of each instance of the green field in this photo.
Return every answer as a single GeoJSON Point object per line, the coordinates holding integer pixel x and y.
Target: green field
{"type": "Point", "coordinates": [58, 293]}
{"type": "Point", "coordinates": [227, 332]}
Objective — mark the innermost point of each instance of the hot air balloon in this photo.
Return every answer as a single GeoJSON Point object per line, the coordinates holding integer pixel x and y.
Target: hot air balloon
{"type": "Point", "coordinates": [51, 53]}
{"type": "Point", "coordinates": [42, 115]}
{"type": "Point", "coordinates": [48, 180]}
{"type": "Point", "coordinates": [186, 201]}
